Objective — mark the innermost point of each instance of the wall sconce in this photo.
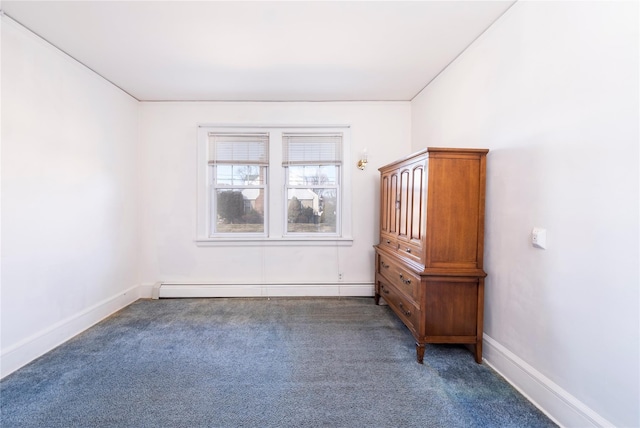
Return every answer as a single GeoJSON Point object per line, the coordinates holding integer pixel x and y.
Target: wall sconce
{"type": "Point", "coordinates": [362, 163]}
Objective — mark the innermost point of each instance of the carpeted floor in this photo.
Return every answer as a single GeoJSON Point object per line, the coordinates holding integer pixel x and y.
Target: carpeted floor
{"type": "Point", "coordinates": [283, 362]}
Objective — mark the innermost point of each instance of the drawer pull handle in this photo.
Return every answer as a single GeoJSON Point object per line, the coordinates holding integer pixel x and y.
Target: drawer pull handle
{"type": "Point", "coordinates": [388, 242]}
{"type": "Point", "coordinates": [384, 265]}
{"type": "Point", "coordinates": [384, 290]}
{"type": "Point", "coordinates": [409, 250]}
{"type": "Point", "coordinates": [406, 312]}
{"type": "Point", "coordinates": [405, 281]}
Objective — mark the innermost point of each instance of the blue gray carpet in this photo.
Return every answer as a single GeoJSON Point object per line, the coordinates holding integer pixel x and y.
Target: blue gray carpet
{"type": "Point", "coordinates": [283, 362]}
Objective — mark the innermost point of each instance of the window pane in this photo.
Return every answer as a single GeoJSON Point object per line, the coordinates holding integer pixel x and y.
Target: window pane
{"type": "Point", "coordinates": [243, 175]}
{"type": "Point", "coordinates": [312, 175]}
{"type": "Point", "coordinates": [311, 210]}
{"type": "Point", "coordinates": [239, 211]}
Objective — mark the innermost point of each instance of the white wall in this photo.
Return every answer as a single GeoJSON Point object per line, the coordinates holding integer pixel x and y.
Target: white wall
{"type": "Point", "coordinates": [69, 197]}
{"type": "Point", "coordinates": [552, 90]}
{"type": "Point", "coordinates": [169, 192]}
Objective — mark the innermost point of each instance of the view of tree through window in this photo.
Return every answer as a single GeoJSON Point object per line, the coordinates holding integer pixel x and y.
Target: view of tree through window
{"type": "Point", "coordinates": [239, 166]}
{"type": "Point", "coordinates": [240, 198]}
{"type": "Point", "coordinates": [312, 198]}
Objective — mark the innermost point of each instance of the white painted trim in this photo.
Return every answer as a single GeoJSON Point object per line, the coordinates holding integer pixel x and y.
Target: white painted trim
{"type": "Point", "coordinates": [27, 350]}
{"type": "Point", "coordinates": [559, 405]}
{"type": "Point", "coordinates": [147, 290]}
{"type": "Point", "coordinates": [342, 289]}
{"type": "Point", "coordinates": [243, 126]}
{"type": "Point", "coordinates": [274, 242]}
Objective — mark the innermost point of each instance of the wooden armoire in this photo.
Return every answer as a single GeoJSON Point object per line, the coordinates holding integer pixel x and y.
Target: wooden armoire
{"type": "Point", "coordinates": [429, 259]}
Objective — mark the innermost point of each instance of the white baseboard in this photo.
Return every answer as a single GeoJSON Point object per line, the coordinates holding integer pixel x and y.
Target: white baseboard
{"type": "Point", "coordinates": [343, 289]}
{"type": "Point", "coordinates": [563, 408]}
{"type": "Point", "coordinates": [146, 291]}
{"type": "Point", "coordinates": [29, 349]}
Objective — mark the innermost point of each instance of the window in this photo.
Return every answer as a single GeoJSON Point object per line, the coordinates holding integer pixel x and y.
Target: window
{"type": "Point", "coordinates": [273, 184]}
{"type": "Point", "coordinates": [238, 170]}
{"type": "Point", "coordinates": [312, 181]}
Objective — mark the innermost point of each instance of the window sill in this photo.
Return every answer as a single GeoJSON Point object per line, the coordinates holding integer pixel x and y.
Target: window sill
{"type": "Point", "coordinates": [275, 242]}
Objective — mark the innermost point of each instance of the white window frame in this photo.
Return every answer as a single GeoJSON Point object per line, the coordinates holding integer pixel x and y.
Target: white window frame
{"type": "Point", "coordinates": [304, 149]}
{"type": "Point", "coordinates": [213, 165]}
{"type": "Point", "coordinates": [275, 209]}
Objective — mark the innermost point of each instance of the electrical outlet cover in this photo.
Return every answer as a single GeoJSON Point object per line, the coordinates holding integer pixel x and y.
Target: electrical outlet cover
{"type": "Point", "coordinates": [539, 238]}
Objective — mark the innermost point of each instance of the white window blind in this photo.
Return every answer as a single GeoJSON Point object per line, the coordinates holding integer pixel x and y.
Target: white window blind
{"type": "Point", "coordinates": [315, 149]}
{"type": "Point", "coordinates": [239, 149]}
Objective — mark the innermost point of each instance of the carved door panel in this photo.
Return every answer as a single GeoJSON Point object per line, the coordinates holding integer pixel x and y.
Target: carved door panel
{"type": "Point", "coordinates": [385, 186]}
{"type": "Point", "coordinates": [418, 199]}
{"type": "Point", "coordinates": [404, 204]}
{"type": "Point", "coordinates": [392, 205]}
{"type": "Point", "coordinates": [388, 196]}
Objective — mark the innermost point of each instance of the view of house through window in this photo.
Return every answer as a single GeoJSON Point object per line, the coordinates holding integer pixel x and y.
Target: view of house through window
{"type": "Point", "coordinates": [239, 198]}
{"type": "Point", "coordinates": [312, 199]}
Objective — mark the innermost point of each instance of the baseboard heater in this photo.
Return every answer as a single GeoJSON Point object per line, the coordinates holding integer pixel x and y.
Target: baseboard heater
{"type": "Point", "coordinates": [168, 290]}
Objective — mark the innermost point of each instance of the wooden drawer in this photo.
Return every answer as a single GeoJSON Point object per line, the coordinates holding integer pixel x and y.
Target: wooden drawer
{"type": "Point", "coordinates": [410, 250]}
{"type": "Point", "coordinates": [388, 242]}
{"type": "Point", "coordinates": [386, 267]}
{"type": "Point", "coordinates": [401, 278]}
{"type": "Point", "coordinates": [408, 313]}
{"type": "Point", "coordinates": [408, 283]}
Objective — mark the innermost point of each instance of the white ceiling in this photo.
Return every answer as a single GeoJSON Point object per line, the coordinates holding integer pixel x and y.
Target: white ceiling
{"type": "Point", "coordinates": [261, 51]}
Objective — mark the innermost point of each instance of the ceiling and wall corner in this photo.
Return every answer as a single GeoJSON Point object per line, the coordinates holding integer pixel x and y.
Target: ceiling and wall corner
{"type": "Point", "coordinates": [261, 51]}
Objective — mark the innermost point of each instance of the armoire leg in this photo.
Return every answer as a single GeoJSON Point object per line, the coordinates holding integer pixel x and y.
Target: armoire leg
{"type": "Point", "coordinates": [420, 352]}
{"type": "Point", "coordinates": [478, 352]}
